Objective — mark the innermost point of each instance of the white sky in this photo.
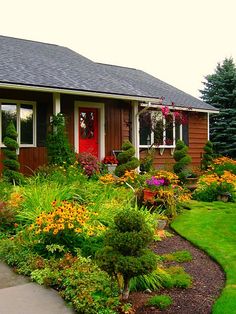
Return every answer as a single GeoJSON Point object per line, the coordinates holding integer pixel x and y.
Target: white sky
{"type": "Point", "coordinates": [178, 41]}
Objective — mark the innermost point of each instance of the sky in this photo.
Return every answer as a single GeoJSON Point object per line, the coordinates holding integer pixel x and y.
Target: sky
{"type": "Point", "coordinates": [177, 41]}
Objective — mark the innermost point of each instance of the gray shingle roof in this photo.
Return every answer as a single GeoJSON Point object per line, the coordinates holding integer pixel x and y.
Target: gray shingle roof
{"type": "Point", "coordinates": [45, 65]}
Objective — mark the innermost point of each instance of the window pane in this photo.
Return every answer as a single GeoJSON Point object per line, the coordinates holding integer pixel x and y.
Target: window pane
{"type": "Point", "coordinates": [87, 125]}
{"type": "Point", "coordinates": [145, 129]}
{"type": "Point", "coordinates": [158, 127]}
{"type": "Point", "coordinates": [169, 130]}
{"type": "Point", "coordinates": [8, 114]}
{"type": "Point", "coordinates": [26, 124]}
{"type": "Point", "coordinates": [177, 132]}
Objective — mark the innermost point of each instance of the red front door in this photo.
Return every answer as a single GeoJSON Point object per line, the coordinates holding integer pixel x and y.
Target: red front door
{"type": "Point", "coordinates": [88, 131]}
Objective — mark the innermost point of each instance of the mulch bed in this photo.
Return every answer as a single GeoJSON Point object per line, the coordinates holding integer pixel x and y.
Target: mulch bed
{"type": "Point", "coordinates": [208, 281]}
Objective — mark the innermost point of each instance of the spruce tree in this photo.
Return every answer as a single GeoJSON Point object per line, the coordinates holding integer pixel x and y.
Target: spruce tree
{"type": "Point", "coordinates": [220, 91]}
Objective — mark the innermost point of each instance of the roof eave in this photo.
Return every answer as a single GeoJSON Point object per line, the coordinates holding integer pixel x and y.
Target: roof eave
{"type": "Point", "coordinates": [157, 101]}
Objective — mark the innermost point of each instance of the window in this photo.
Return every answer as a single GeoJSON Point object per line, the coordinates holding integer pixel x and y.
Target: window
{"type": "Point", "coordinates": [157, 129]}
{"type": "Point", "coordinates": [22, 113]}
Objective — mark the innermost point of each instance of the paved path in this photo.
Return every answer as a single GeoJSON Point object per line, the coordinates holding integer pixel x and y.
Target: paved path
{"type": "Point", "coordinates": [20, 296]}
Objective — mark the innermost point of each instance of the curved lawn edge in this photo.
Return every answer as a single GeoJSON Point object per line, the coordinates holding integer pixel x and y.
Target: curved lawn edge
{"type": "Point", "coordinates": [210, 227]}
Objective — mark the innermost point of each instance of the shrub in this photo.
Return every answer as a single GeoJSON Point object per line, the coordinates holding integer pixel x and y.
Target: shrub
{"type": "Point", "coordinates": [126, 159]}
{"type": "Point", "coordinates": [58, 147]}
{"type": "Point", "coordinates": [7, 218]}
{"type": "Point", "coordinates": [182, 159]}
{"type": "Point", "coordinates": [88, 163]}
{"type": "Point", "coordinates": [10, 162]}
{"type": "Point", "coordinates": [207, 157]}
{"type": "Point", "coordinates": [125, 250]}
{"type": "Point", "coordinates": [160, 301]}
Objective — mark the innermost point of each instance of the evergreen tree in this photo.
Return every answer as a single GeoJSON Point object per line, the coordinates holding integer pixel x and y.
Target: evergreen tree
{"type": "Point", "coordinates": [220, 91]}
{"type": "Point", "coordinates": [59, 150]}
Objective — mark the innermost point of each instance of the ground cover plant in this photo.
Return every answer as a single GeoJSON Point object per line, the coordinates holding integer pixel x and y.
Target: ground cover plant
{"type": "Point", "coordinates": [211, 226]}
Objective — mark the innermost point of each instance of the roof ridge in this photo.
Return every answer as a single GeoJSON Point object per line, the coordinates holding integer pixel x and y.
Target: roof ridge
{"type": "Point", "coordinates": [118, 66]}
{"type": "Point", "coordinates": [33, 41]}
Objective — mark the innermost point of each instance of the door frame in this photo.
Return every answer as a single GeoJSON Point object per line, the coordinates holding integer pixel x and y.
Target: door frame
{"type": "Point", "coordinates": [101, 125]}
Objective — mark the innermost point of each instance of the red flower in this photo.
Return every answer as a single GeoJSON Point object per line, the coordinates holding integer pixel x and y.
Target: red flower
{"type": "Point", "coordinates": [110, 160]}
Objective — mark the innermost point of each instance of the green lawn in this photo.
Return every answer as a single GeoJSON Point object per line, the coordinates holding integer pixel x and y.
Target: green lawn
{"type": "Point", "coordinates": [212, 227]}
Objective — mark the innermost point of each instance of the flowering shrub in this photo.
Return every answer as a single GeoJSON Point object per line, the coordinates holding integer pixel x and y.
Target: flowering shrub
{"type": "Point", "coordinates": [222, 164]}
{"type": "Point", "coordinates": [155, 183]}
{"type": "Point", "coordinates": [66, 224]}
{"type": "Point", "coordinates": [211, 185]}
{"type": "Point", "coordinates": [110, 160]}
{"type": "Point", "coordinates": [169, 176]}
{"type": "Point", "coordinates": [107, 179]}
{"type": "Point", "coordinates": [88, 163]}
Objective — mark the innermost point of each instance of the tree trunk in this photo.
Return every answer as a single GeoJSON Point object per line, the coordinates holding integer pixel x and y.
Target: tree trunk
{"type": "Point", "coordinates": [125, 293]}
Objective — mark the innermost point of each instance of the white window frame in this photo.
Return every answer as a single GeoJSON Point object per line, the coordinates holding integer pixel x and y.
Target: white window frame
{"type": "Point", "coordinates": [18, 124]}
{"type": "Point", "coordinates": [164, 135]}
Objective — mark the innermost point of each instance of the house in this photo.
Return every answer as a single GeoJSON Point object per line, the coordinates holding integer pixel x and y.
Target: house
{"type": "Point", "coordinates": [103, 104]}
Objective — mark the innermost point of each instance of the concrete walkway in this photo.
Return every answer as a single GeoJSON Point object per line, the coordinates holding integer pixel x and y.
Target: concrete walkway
{"type": "Point", "coordinates": [20, 296]}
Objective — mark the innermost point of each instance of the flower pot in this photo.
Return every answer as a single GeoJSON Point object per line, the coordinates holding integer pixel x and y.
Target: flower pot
{"type": "Point", "coordinates": [161, 224]}
{"type": "Point", "coordinates": [223, 197]}
{"type": "Point", "coordinates": [191, 183]}
{"type": "Point", "coordinates": [111, 167]}
{"type": "Point", "coordinates": [149, 196]}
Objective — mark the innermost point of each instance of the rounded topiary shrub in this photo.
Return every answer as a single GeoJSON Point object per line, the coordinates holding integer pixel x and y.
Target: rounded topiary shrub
{"type": "Point", "coordinates": [125, 252]}
{"type": "Point", "coordinates": [126, 159]}
{"type": "Point", "coordinates": [182, 159]}
{"type": "Point", "coordinates": [11, 165]}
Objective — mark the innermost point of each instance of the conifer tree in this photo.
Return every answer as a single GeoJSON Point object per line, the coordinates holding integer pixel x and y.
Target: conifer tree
{"type": "Point", "coordinates": [220, 91]}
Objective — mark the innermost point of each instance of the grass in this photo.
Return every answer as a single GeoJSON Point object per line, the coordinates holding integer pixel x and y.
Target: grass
{"type": "Point", "coordinates": [212, 227]}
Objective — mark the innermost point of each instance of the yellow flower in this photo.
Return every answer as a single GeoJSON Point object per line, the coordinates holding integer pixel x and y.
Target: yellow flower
{"type": "Point", "coordinates": [70, 226]}
{"type": "Point", "coordinates": [55, 231]}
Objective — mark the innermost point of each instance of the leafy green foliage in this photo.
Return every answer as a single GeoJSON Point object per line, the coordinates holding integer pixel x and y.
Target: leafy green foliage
{"type": "Point", "coordinates": [10, 162]}
{"type": "Point", "coordinates": [220, 91]}
{"type": "Point", "coordinates": [178, 256]}
{"type": "Point", "coordinates": [126, 159]}
{"type": "Point", "coordinates": [208, 155]}
{"type": "Point", "coordinates": [125, 250]}
{"type": "Point", "coordinates": [160, 301]}
{"type": "Point", "coordinates": [182, 159]}
{"type": "Point", "coordinates": [58, 147]}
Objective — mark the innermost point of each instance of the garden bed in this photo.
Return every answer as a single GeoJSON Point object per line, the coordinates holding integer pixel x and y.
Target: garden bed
{"type": "Point", "coordinates": [208, 281]}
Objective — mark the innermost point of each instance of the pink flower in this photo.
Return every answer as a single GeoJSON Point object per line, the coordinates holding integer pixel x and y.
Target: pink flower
{"type": "Point", "coordinates": [165, 110]}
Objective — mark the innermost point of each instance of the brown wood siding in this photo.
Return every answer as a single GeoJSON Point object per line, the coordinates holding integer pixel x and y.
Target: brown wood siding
{"type": "Point", "coordinates": [117, 124]}
{"type": "Point", "coordinates": [197, 136]}
{"type": "Point", "coordinates": [197, 140]}
{"type": "Point", "coordinates": [31, 158]}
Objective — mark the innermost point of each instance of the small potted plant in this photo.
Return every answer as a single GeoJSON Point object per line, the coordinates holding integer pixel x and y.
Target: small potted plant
{"type": "Point", "coordinates": [152, 185]}
{"type": "Point", "coordinates": [111, 163]}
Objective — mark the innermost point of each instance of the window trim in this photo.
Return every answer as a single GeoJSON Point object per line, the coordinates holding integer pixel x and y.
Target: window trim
{"type": "Point", "coordinates": [164, 135]}
{"type": "Point", "coordinates": [18, 124]}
